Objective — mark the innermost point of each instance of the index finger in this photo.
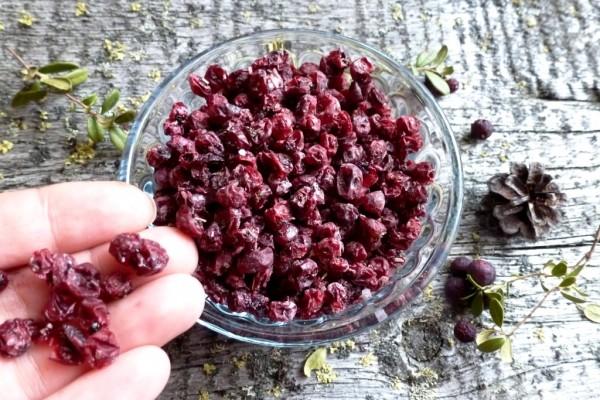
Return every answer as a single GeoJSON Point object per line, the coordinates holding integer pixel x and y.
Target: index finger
{"type": "Point", "coordinates": [68, 217]}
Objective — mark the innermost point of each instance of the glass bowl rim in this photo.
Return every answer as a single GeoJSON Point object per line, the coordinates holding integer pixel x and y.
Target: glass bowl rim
{"type": "Point", "coordinates": [455, 206]}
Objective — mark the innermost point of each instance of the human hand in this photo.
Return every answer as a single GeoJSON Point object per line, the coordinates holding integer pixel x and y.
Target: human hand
{"type": "Point", "coordinates": [81, 218]}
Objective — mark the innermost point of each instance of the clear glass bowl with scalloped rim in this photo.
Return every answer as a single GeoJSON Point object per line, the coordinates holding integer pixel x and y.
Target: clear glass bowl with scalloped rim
{"type": "Point", "coordinates": [408, 96]}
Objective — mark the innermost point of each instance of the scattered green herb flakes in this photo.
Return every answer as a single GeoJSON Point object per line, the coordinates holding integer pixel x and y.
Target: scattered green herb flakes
{"type": "Point", "coordinates": [1, 26]}
{"type": "Point", "coordinates": [82, 153]}
{"type": "Point", "coordinates": [196, 23]}
{"type": "Point", "coordinates": [155, 75]}
{"type": "Point", "coordinates": [6, 146]}
{"type": "Point", "coordinates": [313, 8]}
{"type": "Point", "coordinates": [367, 360]}
{"type": "Point", "coordinates": [26, 19]}
{"type": "Point", "coordinates": [203, 395]}
{"type": "Point", "coordinates": [135, 7]}
{"type": "Point", "coordinates": [114, 50]}
{"type": "Point", "coordinates": [81, 9]}
{"type": "Point", "coordinates": [209, 369]}
{"type": "Point", "coordinates": [397, 12]}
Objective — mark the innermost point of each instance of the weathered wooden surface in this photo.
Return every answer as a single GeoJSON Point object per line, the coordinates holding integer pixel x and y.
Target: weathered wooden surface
{"type": "Point", "coordinates": [531, 67]}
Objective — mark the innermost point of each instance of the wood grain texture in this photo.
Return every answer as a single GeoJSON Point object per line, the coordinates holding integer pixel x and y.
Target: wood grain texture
{"type": "Point", "coordinates": [531, 67]}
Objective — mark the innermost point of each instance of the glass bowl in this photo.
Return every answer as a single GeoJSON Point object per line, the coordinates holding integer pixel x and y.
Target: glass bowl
{"type": "Point", "coordinates": [408, 95]}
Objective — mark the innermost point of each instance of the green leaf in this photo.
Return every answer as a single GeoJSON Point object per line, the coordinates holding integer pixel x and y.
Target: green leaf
{"type": "Point", "coordinates": [424, 58]}
{"type": "Point", "coordinates": [559, 269]}
{"type": "Point", "coordinates": [494, 295]}
{"type": "Point", "coordinates": [497, 312]}
{"type": "Point", "coordinates": [58, 66]}
{"type": "Point", "coordinates": [438, 82]}
{"type": "Point", "coordinates": [548, 267]}
{"type": "Point", "coordinates": [77, 77]}
{"type": "Point", "coordinates": [125, 117]}
{"type": "Point", "coordinates": [449, 70]}
{"type": "Point", "coordinates": [95, 131]}
{"type": "Point", "coordinates": [118, 137]}
{"type": "Point", "coordinates": [568, 281]}
{"type": "Point", "coordinates": [62, 84]}
{"type": "Point", "coordinates": [472, 281]}
{"type": "Point", "coordinates": [26, 96]}
{"type": "Point", "coordinates": [90, 100]}
{"type": "Point", "coordinates": [573, 296]}
{"type": "Point", "coordinates": [110, 101]}
{"type": "Point", "coordinates": [576, 271]}
{"type": "Point", "coordinates": [506, 351]}
{"type": "Point", "coordinates": [477, 304]}
{"type": "Point", "coordinates": [592, 312]}
{"type": "Point", "coordinates": [441, 56]}
{"type": "Point", "coordinates": [484, 335]}
{"type": "Point", "coordinates": [492, 344]}
{"type": "Point", "coordinates": [315, 361]}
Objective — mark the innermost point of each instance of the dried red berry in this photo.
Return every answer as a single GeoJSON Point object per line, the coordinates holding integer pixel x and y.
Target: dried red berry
{"type": "Point", "coordinates": [116, 286]}
{"type": "Point", "coordinates": [481, 129]}
{"type": "Point", "coordinates": [3, 281]}
{"type": "Point", "coordinates": [145, 256]}
{"type": "Point", "coordinates": [15, 337]}
{"type": "Point", "coordinates": [465, 331]}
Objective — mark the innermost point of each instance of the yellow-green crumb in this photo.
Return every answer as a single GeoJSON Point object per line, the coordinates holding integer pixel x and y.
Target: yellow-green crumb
{"type": "Point", "coordinates": [209, 369]}
{"type": "Point", "coordinates": [367, 360]}
{"type": "Point", "coordinates": [136, 7]}
{"type": "Point", "coordinates": [396, 383]}
{"type": "Point", "coordinates": [26, 19]}
{"type": "Point", "coordinates": [6, 146]}
{"type": "Point", "coordinates": [1, 26]}
{"type": "Point", "coordinates": [114, 50]}
{"type": "Point", "coordinates": [531, 21]}
{"type": "Point", "coordinates": [81, 154]}
{"type": "Point", "coordinates": [155, 75]}
{"type": "Point", "coordinates": [203, 395]}
{"type": "Point", "coordinates": [81, 9]}
{"type": "Point", "coordinates": [397, 13]}
{"type": "Point", "coordinates": [240, 361]}
{"type": "Point", "coordinates": [326, 374]}
{"type": "Point", "coordinates": [313, 8]}
{"type": "Point", "coordinates": [275, 391]}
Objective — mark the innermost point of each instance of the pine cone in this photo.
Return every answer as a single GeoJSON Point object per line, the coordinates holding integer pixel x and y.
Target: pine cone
{"type": "Point", "coordinates": [525, 201]}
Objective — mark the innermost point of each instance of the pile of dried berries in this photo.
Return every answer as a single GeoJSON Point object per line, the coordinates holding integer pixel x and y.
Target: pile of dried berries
{"type": "Point", "coordinates": [75, 319]}
{"type": "Point", "coordinates": [294, 183]}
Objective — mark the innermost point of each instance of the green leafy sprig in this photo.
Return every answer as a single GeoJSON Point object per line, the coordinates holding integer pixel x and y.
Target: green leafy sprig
{"type": "Point", "coordinates": [431, 64]}
{"type": "Point", "coordinates": [554, 278]}
{"type": "Point", "coordinates": [61, 77]}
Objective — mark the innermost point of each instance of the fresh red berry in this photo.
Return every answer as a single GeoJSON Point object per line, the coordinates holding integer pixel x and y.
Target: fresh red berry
{"type": "Point", "coordinates": [465, 331]}
{"type": "Point", "coordinates": [481, 129]}
{"type": "Point", "coordinates": [456, 289]}
{"type": "Point", "coordinates": [452, 84]}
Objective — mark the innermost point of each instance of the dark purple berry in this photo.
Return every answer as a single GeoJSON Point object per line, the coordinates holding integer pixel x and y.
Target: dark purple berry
{"type": "Point", "coordinates": [482, 272]}
{"type": "Point", "coordinates": [460, 266]}
{"type": "Point", "coordinates": [481, 129]}
{"type": "Point", "coordinates": [457, 289]}
{"type": "Point", "coordinates": [465, 331]}
{"type": "Point", "coordinates": [452, 84]}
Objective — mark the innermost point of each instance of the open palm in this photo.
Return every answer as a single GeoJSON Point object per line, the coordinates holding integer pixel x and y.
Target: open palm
{"type": "Point", "coordinates": [81, 218]}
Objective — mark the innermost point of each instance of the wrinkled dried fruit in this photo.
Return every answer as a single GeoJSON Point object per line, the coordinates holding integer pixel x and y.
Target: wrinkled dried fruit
{"type": "Point", "coordinates": [465, 331]}
{"type": "Point", "coordinates": [145, 256]}
{"type": "Point", "coordinates": [308, 196]}
{"type": "Point", "coordinates": [15, 337]}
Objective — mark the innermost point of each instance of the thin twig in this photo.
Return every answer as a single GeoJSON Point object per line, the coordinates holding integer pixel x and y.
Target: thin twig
{"type": "Point", "coordinates": [533, 310]}
{"type": "Point", "coordinates": [587, 256]}
{"type": "Point", "coordinates": [18, 57]}
{"type": "Point", "coordinates": [80, 103]}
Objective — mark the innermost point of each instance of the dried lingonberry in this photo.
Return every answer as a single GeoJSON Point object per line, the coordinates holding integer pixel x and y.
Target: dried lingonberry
{"type": "Point", "coordinates": [116, 286]}
{"type": "Point", "coordinates": [145, 256]}
{"type": "Point", "coordinates": [307, 196]}
{"type": "Point", "coordinates": [482, 272]}
{"type": "Point", "coordinates": [15, 337]}
{"type": "Point", "coordinates": [465, 331]}
{"type": "Point", "coordinates": [3, 280]}
{"type": "Point", "coordinates": [481, 129]}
